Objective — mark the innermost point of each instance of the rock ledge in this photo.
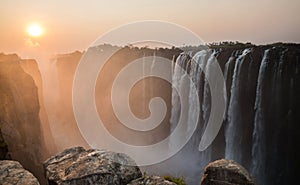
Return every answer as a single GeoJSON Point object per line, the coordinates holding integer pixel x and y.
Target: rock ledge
{"type": "Point", "coordinates": [90, 167]}
{"type": "Point", "coordinates": [13, 173]}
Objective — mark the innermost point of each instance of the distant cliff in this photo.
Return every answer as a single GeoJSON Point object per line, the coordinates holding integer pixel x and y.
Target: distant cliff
{"type": "Point", "coordinates": [66, 65]}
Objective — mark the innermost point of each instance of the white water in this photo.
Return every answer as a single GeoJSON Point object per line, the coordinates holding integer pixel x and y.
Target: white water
{"type": "Point", "coordinates": [191, 158]}
{"type": "Point", "coordinates": [190, 162]}
{"type": "Point", "coordinates": [204, 60]}
{"type": "Point", "coordinates": [177, 78]}
{"type": "Point", "coordinates": [233, 129]}
{"type": "Point", "coordinates": [180, 83]}
{"type": "Point", "coordinates": [153, 68]}
{"type": "Point", "coordinates": [269, 96]}
{"type": "Point", "coordinates": [258, 148]}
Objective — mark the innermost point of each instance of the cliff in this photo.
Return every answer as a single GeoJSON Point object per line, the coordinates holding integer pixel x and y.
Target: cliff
{"type": "Point", "coordinates": [30, 66]}
{"type": "Point", "coordinates": [261, 117]}
{"type": "Point", "coordinates": [20, 115]}
{"type": "Point", "coordinates": [142, 92]}
{"type": "Point", "coordinates": [3, 148]}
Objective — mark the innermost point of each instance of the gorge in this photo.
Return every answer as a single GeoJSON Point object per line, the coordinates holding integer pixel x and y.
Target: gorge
{"type": "Point", "coordinates": [260, 127]}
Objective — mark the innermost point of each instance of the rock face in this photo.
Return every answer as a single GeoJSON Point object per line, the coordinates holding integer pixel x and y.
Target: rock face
{"type": "Point", "coordinates": [90, 167]}
{"type": "Point", "coordinates": [12, 173]}
{"type": "Point", "coordinates": [20, 115]}
{"type": "Point", "coordinates": [30, 66]}
{"type": "Point", "coordinates": [151, 180]}
{"type": "Point", "coordinates": [226, 172]}
{"type": "Point", "coordinates": [3, 148]}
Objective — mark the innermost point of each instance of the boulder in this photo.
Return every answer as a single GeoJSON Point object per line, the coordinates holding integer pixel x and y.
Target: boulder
{"type": "Point", "coordinates": [12, 173]}
{"type": "Point", "coordinates": [90, 167]}
{"type": "Point", "coordinates": [226, 172]}
{"type": "Point", "coordinates": [151, 180]}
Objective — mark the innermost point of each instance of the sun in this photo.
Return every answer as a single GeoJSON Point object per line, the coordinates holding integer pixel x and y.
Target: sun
{"type": "Point", "coordinates": [35, 30]}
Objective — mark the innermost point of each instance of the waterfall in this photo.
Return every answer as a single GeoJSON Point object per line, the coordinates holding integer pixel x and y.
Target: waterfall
{"type": "Point", "coordinates": [177, 78]}
{"type": "Point", "coordinates": [204, 62]}
{"type": "Point", "coordinates": [233, 132]}
{"type": "Point", "coordinates": [152, 73]}
{"type": "Point", "coordinates": [144, 87]}
{"type": "Point", "coordinates": [206, 93]}
{"type": "Point", "coordinates": [228, 73]}
{"type": "Point", "coordinates": [258, 148]}
{"type": "Point", "coordinates": [270, 125]}
{"type": "Point", "coordinates": [197, 64]}
{"type": "Point", "coordinates": [259, 116]}
{"type": "Point", "coordinates": [180, 82]}
{"type": "Point", "coordinates": [195, 67]}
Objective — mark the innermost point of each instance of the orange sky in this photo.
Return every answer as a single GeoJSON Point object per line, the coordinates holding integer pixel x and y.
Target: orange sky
{"type": "Point", "coordinates": [74, 25]}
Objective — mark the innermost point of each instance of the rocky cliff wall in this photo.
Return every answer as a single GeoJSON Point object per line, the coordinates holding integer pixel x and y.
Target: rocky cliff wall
{"type": "Point", "coordinates": [20, 115]}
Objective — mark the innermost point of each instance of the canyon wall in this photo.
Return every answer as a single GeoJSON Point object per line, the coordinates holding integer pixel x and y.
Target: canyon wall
{"type": "Point", "coordinates": [260, 128]}
{"type": "Point", "coordinates": [21, 114]}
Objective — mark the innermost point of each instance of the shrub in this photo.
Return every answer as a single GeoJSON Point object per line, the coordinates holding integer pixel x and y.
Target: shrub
{"type": "Point", "coordinates": [176, 180]}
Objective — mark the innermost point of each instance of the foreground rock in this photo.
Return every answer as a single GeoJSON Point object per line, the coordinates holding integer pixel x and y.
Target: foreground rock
{"type": "Point", "coordinates": [12, 173]}
{"type": "Point", "coordinates": [226, 172]}
{"type": "Point", "coordinates": [151, 180]}
{"type": "Point", "coordinates": [90, 167]}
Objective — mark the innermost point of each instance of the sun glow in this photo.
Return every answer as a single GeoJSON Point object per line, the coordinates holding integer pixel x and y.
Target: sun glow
{"type": "Point", "coordinates": [35, 30]}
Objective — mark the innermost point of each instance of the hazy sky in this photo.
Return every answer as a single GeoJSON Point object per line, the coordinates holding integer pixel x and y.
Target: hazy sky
{"type": "Point", "coordinates": [74, 24]}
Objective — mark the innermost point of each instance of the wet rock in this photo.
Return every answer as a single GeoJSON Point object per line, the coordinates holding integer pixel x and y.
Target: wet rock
{"type": "Point", "coordinates": [12, 173]}
{"type": "Point", "coordinates": [90, 167]}
{"type": "Point", "coordinates": [226, 172]}
{"type": "Point", "coordinates": [151, 180]}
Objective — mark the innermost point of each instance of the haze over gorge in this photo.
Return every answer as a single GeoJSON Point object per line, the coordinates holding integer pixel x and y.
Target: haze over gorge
{"type": "Point", "coordinates": [260, 128]}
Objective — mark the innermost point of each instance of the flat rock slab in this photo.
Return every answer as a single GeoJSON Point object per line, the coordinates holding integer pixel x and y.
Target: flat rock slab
{"type": "Point", "coordinates": [13, 173]}
{"type": "Point", "coordinates": [77, 166]}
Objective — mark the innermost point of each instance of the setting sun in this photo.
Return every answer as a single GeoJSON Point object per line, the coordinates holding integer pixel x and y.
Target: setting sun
{"type": "Point", "coordinates": [35, 30]}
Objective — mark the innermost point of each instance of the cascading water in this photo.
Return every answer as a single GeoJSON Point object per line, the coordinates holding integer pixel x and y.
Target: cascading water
{"type": "Point", "coordinates": [194, 67]}
{"type": "Point", "coordinates": [205, 104]}
{"type": "Point", "coordinates": [144, 88]}
{"type": "Point", "coordinates": [197, 67]}
{"type": "Point", "coordinates": [152, 73]}
{"type": "Point", "coordinates": [234, 127]}
{"type": "Point", "coordinates": [228, 73]}
{"type": "Point", "coordinates": [177, 78]}
{"type": "Point", "coordinates": [258, 116]}
{"type": "Point", "coordinates": [261, 128]}
{"type": "Point", "coordinates": [258, 148]}
{"type": "Point", "coordinates": [273, 118]}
